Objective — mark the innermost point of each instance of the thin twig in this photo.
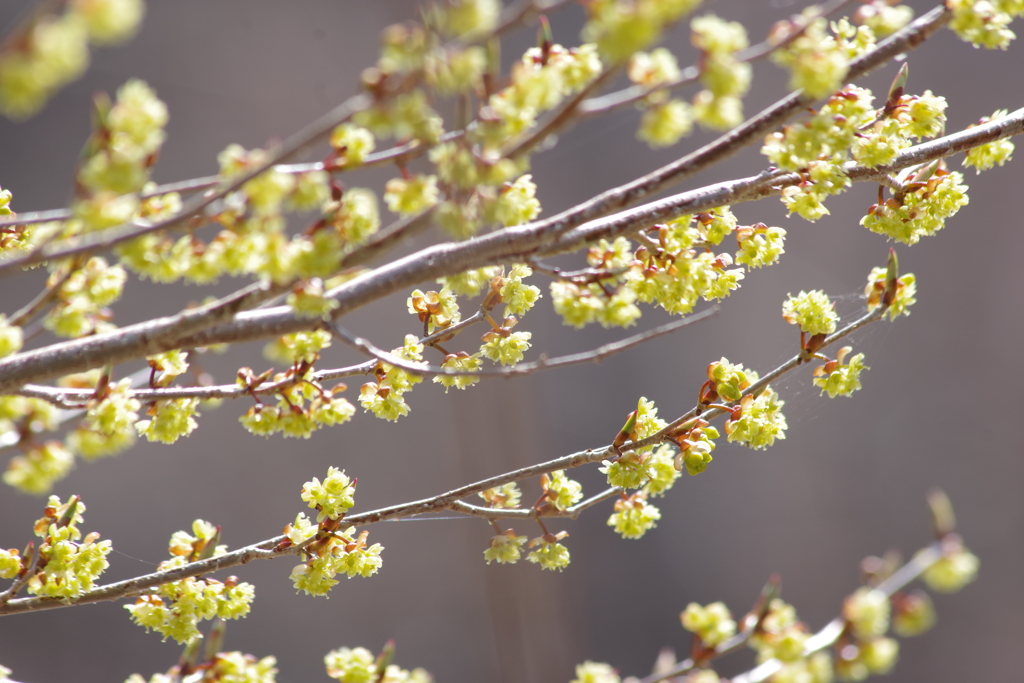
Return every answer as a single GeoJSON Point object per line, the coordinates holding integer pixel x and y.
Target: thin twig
{"type": "Point", "coordinates": [543, 363]}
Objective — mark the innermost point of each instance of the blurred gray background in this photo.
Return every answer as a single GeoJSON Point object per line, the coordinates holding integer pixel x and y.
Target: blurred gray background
{"type": "Point", "coordinates": [938, 407]}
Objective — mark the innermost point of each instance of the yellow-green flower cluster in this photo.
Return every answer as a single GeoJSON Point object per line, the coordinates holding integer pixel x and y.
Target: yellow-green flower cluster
{"type": "Point", "coordinates": [817, 61]}
{"type": "Point", "coordinates": [840, 377]}
{"type": "Point", "coordinates": [406, 117]}
{"type": "Point", "coordinates": [561, 491]}
{"type": "Point", "coordinates": [434, 309]}
{"type": "Point", "coordinates": [883, 17]}
{"type": "Point", "coordinates": [549, 555]}
{"type": "Point", "coordinates": [450, 71]}
{"type": "Point", "coordinates": [661, 470]}
{"type": "Point", "coordinates": [876, 656]}
{"type": "Point", "coordinates": [358, 665]}
{"type": "Point", "coordinates": [462, 362]}
{"type": "Point", "coordinates": [504, 496]}
{"type": "Point", "coordinates": [506, 548]}
{"type": "Point", "coordinates": [986, 23]}
{"type": "Point", "coordinates": [913, 613]}
{"type": "Point", "coordinates": [867, 611]}
{"type": "Point", "coordinates": [814, 669]}
{"type": "Point", "coordinates": [813, 311]}
{"type": "Point", "coordinates": [69, 564]}
{"type": "Point", "coordinates": [470, 282]}
{"type": "Point", "coordinates": [712, 623]}
{"type": "Point", "coordinates": [408, 196]}
{"type": "Point", "coordinates": [995, 153]}
{"type": "Point", "coordinates": [517, 296]}
{"type": "Point", "coordinates": [351, 143]}
{"type": "Point", "coordinates": [633, 516]}
{"type": "Point", "coordinates": [298, 347]}
{"type": "Point", "coordinates": [108, 427]}
{"type": "Point", "coordinates": [725, 78]}
{"type": "Point", "coordinates": [301, 409]}
{"type": "Point", "coordinates": [906, 289]}
{"type": "Point", "coordinates": [507, 349]}
{"type": "Point", "coordinates": [11, 337]}
{"type": "Point", "coordinates": [517, 203]}
{"type": "Point", "coordinates": [200, 544]}
{"type": "Point", "coordinates": [309, 300]}
{"type": "Point", "coordinates": [622, 27]}
{"type": "Point", "coordinates": [170, 419]}
{"type": "Point", "coordinates": [540, 81]}
{"type": "Point", "coordinates": [53, 50]}
{"type": "Point", "coordinates": [355, 665]}
{"type": "Point", "coordinates": [675, 276]}
{"type": "Point", "coordinates": [826, 134]}
{"type": "Point", "coordinates": [332, 498]}
{"type": "Point", "coordinates": [340, 552]}
{"type": "Point", "coordinates": [630, 471]}
{"type": "Point", "coordinates": [81, 298]}
{"type": "Point", "coordinates": [759, 246]}
{"type": "Point", "coordinates": [921, 211]}
{"type": "Point", "coordinates": [10, 563]}
{"type": "Point", "coordinates": [595, 672]}
{"type": "Point", "coordinates": [385, 397]}
{"type": "Point", "coordinates": [174, 609]}
{"type": "Point", "coordinates": [39, 467]}
{"type": "Point", "coordinates": [236, 667]}
{"type": "Point", "coordinates": [954, 570]}
{"type": "Point", "coordinates": [759, 421]}
{"type": "Point", "coordinates": [124, 146]}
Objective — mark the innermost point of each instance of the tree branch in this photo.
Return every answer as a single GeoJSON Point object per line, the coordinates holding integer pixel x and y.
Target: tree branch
{"type": "Point", "coordinates": [520, 242]}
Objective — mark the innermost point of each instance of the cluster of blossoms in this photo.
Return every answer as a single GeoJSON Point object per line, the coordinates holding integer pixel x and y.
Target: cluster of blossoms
{"type": "Point", "coordinates": [622, 28]}
{"type": "Point", "coordinates": [848, 127]}
{"type": "Point", "coordinates": [713, 624]}
{"type": "Point", "coordinates": [108, 428]}
{"type": "Point", "coordinates": [175, 608]}
{"type": "Point", "coordinates": [995, 153]}
{"type": "Point", "coordinates": [358, 665]}
{"type": "Point", "coordinates": [330, 550]}
{"type": "Point", "coordinates": [922, 209]}
{"type": "Point", "coordinates": [985, 24]}
{"type": "Point", "coordinates": [53, 50]}
{"type": "Point", "coordinates": [634, 516]}
{"type": "Point", "coordinates": [757, 421]}
{"type": "Point", "coordinates": [124, 146]}
{"type": "Point", "coordinates": [673, 268]}
{"type": "Point", "coordinates": [303, 404]}
{"type": "Point", "coordinates": [81, 295]}
{"type": "Point", "coordinates": [68, 564]}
